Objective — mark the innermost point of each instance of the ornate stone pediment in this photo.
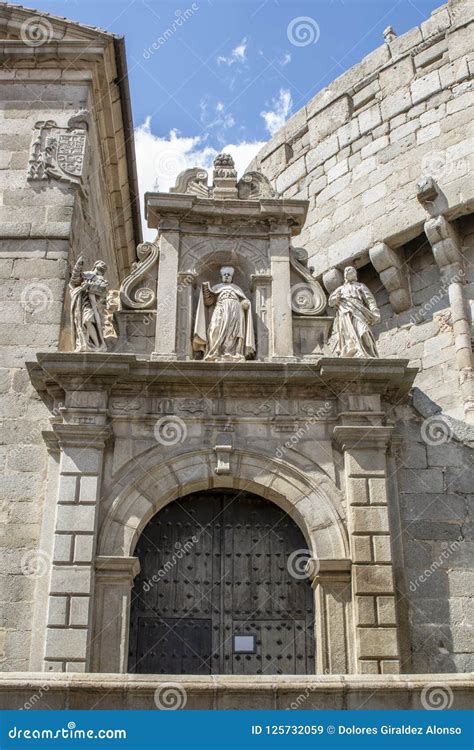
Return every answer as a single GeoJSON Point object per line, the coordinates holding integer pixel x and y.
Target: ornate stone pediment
{"type": "Point", "coordinates": [252, 186]}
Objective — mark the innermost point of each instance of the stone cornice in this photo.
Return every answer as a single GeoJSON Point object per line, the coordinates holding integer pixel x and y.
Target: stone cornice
{"type": "Point", "coordinates": [70, 371]}
{"type": "Point", "coordinates": [161, 205]}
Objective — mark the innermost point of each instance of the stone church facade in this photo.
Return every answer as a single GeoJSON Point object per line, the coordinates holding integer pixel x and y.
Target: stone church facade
{"type": "Point", "coordinates": [203, 503]}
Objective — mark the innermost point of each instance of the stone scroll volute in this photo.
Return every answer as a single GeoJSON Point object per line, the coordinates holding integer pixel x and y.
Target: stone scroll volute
{"type": "Point", "coordinates": [142, 298]}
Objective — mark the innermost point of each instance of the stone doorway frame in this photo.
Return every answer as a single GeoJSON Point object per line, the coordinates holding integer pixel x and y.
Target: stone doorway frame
{"type": "Point", "coordinates": [314, 505]}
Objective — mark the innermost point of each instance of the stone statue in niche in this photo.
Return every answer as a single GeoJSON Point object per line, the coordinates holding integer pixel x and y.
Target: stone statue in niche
{"type": "Point", "coordinates": [88, 297]}
{"type": "Point", "coordinates": [230, 335]}
{"type": "Point", "coordinates": [356, 312]}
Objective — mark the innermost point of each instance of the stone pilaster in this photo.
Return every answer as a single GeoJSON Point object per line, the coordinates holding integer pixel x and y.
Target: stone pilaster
{"type": "Point", "coordinates": [167, 292]}
{"type": "Point", "coordinates": [331, 582]}
{"type": "Point", "coordinates": [373, 592]}
{"type": "Point", "coordinates": [113, 584]}
{"type": "Point", "coordinates": [282, 345]}
{"type": "Point", "coordinates": [82, 440]}
{"type": "Point", "coordinates": [262, 287]}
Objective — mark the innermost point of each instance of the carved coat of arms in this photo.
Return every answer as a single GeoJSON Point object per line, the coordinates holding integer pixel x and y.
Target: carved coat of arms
{"type": "Point", "coordinates": [58, 153]}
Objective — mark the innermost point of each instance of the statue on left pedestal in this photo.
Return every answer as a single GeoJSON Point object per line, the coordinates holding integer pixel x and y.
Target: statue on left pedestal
{"type": "Point", "coordinates": [88, 296]}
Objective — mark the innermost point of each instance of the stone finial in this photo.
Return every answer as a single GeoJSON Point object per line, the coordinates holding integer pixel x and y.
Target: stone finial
{"type": "Point", "coordinates": [224, 177]}
{"type": "Point", "coordinates": [389, 34]}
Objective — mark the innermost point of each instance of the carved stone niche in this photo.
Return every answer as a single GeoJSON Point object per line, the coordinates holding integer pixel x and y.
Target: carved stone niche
{"type": "Point", "coordinates": [237, 223]}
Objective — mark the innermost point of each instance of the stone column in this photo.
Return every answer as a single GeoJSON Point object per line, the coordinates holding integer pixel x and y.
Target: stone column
{"type": "Point", "coordinates": [167, 292]}
{"type": "Point", "coordinates": [82, 440]}
{"type": "Point", "coordinates": [331, 581]}
{"type": "Point", "coordinates": [282, 343]}
{"type": "Point", "coordinates": [113, 585]}
{"type": "Point", "coordinates": [373, 592]}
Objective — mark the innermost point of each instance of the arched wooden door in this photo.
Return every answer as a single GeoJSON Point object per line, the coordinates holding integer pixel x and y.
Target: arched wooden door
{"type": "Point", "coordinates": [221, 590]}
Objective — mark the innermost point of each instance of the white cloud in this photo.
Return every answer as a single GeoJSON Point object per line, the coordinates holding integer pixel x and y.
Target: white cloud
{"type": "Point", "coordinates": [161, 159]}
{"type": "Point", "coordinates": [238, 54]}
{"type": "Point", "coordinates": [276, 117]}
{"type": "Point", "coordinates": [285, 59]}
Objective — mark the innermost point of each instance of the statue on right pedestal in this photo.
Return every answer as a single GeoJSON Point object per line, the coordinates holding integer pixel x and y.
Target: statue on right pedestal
{"type": "Point", "coordinates": [356, 312]}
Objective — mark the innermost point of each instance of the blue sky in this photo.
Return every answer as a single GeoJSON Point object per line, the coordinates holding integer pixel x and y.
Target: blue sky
{"type": "Point", "coordinates": [227, 73]}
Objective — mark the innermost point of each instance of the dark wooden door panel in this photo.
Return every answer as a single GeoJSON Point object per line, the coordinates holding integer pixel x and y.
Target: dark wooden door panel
{"type": "Point", "coordinates": [215, 565]}
{"type": "Point", "coordinates": [173, 646]}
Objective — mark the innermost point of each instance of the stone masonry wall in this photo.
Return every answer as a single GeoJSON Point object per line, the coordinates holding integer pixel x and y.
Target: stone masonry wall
{"type": "Point", "coordinates": [357, 150]}
{"type": "Point", "coordinates": [434, 561]}
{"type": "Point", "coordinates": [39, 224]}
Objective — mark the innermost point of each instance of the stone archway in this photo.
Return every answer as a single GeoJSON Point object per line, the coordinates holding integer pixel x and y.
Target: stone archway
{"type": "Point", "coordinates": [313, 503]}
{"type": "Point", "coordinates": [222, 589]}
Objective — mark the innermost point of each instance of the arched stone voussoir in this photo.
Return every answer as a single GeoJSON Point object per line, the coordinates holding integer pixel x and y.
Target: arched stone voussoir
{"type": "Point", "coordinates": [305, 500]}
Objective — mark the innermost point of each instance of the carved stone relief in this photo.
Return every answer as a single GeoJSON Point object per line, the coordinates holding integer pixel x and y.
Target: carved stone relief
{"type": "Point", "coordinates": [57, 152]}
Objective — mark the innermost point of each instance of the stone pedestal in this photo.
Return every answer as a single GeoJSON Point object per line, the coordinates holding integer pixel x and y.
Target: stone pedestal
{"type": "Point", "coordinates": [331, 581]}
{"type": "Point", "coordinates": [114, 580]}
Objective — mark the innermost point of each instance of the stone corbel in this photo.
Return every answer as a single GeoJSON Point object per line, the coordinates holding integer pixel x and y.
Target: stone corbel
{"type": "Point", "coordinates": [332, 279]}
{"type": "Point", "coordinates": [430, 196]}
{"type": "Point", "coordinates": [444, 242]}
{"type": "Point", "coordinates": [389, 264]}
